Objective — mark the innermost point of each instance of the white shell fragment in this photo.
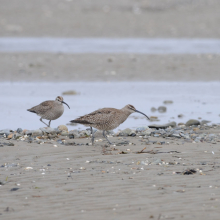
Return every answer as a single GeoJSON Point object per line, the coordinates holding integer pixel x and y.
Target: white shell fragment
{"type": "Point", "coordinates": [28, 168]}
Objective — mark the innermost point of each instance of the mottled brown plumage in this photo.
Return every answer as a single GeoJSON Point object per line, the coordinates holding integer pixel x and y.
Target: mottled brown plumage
{"type": "Point", "coordinates": [50, 110]}
{"type": "Point", "coordinates": [106, 119]}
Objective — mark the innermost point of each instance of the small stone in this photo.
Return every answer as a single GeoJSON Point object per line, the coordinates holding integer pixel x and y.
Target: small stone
{"type": "Point", "coordinates": [28, 132]}
{"type": "Point", "coordinates": [125, 132]}
{"type": "Point", "coordinates": [14, 189]}
{"type": "Point", "coordinates": [48, 130]}
{"type": "Point", "coordinates": [157, 162]}
{"type": "Point", "coordinates": [37, 132]}
{"type": "Point", "coordinates": [5, 131]}
{"type": "Point", "coordinates": [180, 116]}
{"type": "Point", "coordinates": [64, 133]}
{"type": "Point", "coordinates": [197, 139]}
{"type": "Point", "coordinates": [171, 124]}
{"type": "Point", "coordinates": [23, 132]}
{"type": "Point", "coordinates": [153, 109]}
{"type": "Point", "coordinates": [17, 136]}
{"type": "Point", "coordinates": [10, 136]}
{"type": "Point", "coordinates": [181, 124]}
{"type": "Point", "coordinates": [192, 122]}
{"type": "Point", "coordinates": [70, 92]}
{"type": "Point", "coordinates": [156, 135]}
{"type": "Point", "coordinates": [69, 142]}
{"type": "Point", "coordinates": [85, 133]}
{"type": "Point", "coordinates": [60, 141]}
{"type": "Point", "coordinates": [154, 118]}
{"type": "Point", "coordinates": [140, 129]}
{"type": "Point", "coordinates": [168, 102]}
{"type": "Point", "coordinates": [175, 135]}
{"type": "Point", "coordinates": [73, 134]}
{"type": "Point", "coordinates": [162, 109]}
{"type": "Point", "coordinates": [19, 130]}
{"type": "Point", "coordinates": [132, 133]}
{"type": "Point", "coordinates": [62, 128]}
{"type": "Point", "coordinates": [204, 122]}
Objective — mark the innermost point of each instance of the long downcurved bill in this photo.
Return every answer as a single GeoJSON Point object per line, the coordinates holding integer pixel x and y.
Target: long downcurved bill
{"type": "Point", "coordinates": [142, 114]}
{"type": "Point", "coordinates": [66, 104]}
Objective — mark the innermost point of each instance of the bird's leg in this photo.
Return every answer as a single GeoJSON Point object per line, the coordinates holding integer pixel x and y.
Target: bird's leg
{"type": "Point", "coordinates": [92, 136]}
{"type": "Point", "coordinates": [49, 123]}
{"type": "Point", "coordinates": [44, 122]}
{"type": "Point", "coordinates": [106, 137]}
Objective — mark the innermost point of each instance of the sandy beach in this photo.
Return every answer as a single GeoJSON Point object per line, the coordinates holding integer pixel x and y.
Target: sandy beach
{"type": "Point", "coordinates": [143, 180]}
{"type": "Point", "coordinates": [163, 174]}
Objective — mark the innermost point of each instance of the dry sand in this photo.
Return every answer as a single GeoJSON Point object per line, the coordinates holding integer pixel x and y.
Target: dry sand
{"type": "Point", "coordinates": [95, 182]}
{"type": "Point", "coordinates": [110, 18]}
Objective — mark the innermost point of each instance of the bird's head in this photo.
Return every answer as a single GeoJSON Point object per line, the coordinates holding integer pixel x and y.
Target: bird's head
{"type": "Point", "coordinates": [60, 99]}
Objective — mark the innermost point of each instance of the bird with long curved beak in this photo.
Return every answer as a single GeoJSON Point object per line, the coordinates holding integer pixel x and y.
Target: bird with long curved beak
{"type": "Point", "coordinates": [50, 110]}
{"type": "Point", "coordinates": [106, 119]}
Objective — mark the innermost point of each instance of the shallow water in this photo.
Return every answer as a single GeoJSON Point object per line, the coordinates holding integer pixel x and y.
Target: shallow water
{"type": "Point", "coordinates": [108, 45]}
{"type": "Point", "coordinates": [193, 100]}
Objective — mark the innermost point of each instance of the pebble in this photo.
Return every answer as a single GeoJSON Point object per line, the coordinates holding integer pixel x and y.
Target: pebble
{"type": "Point", "coordinates": [132, 133]}
{"type": "Point", "coordinates": [168, 131]}
{"type": "Point", "coordinates": [10, 136]}
{"type": "Point", "coordinates": [19, 130]}
{"type": "Point", "coordinates": [157, 162]}
{"type": "Point", "coordinates": [171, 124]}
{"type": "Point", "coordinates": [5, 131]}
{"type": "Point", "coordinates": [69, 142]}
{"type": "Point", "coordinates": [192, 122]}
{"type": "Point", "coordinates": [153, 109]}
{"type": "Point", "coordinates": [62, 128]}
{"type": "Point", "coordinates": [48, 130]}
{"type": "Point", "coordinates": [73, 134]}
{"type": "Point", "coordinates": [37, 132]}
{"type": "Point", "coordinates": [64, 133]}
{"type": "Point", "coordinates": [154, 118]}
{"type": "Point", "coordinates": [125, 132]}
{"type": "Point", "coordinates": [162, 109]}
{"type": "Point", "coordinates": [142, 129]}
{"type": "Point", "coordinates": [70, 92]}
{"type": "Point", "coordinates": [204, 122]}
{"type": "Point", "coordinates": [168, 102]}
{"type": "Point", "coordinates": [85, 133]}
{"type": "Point", "coordinates": [175, 135]}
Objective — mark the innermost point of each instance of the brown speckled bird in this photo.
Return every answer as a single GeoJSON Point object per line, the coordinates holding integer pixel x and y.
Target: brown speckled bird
{"type": "Point", "coordinates": [50, 110]}
{"type": "Point", "coordinates": [106, 119]}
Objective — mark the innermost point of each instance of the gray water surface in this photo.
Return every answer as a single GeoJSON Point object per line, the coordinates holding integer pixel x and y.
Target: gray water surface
{"type": "Point", "coordinates": [193, 100]}
{"type": "Point", "coordinates": [108, 45]}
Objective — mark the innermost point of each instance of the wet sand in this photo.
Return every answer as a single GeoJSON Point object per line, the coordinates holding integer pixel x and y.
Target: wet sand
{"type": "Point", "coordinates": [108, 67]}
{"type": "Point", "coordinates": [95, 182]}
{"type": "Point", "coordinates": [110, 19]}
